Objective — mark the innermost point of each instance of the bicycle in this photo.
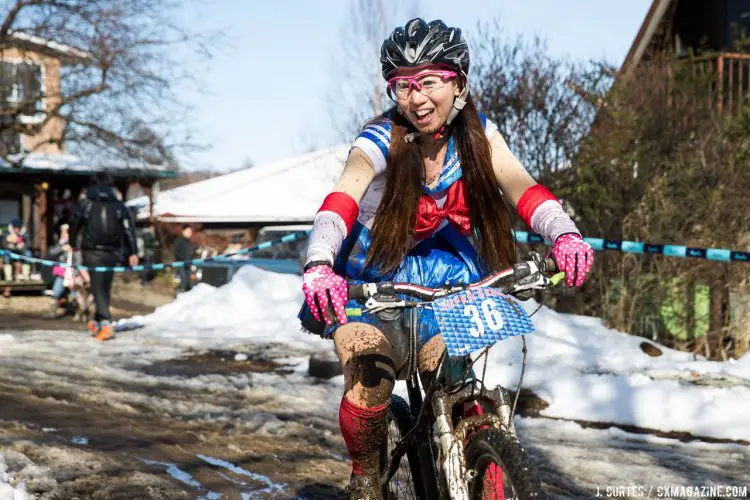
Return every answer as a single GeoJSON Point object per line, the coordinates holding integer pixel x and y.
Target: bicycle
{"type": "Point", "coordinates": [458, 437]}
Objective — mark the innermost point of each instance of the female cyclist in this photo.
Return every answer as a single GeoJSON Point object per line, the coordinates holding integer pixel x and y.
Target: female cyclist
{"type": "Point", "coordinates": [420, 200]}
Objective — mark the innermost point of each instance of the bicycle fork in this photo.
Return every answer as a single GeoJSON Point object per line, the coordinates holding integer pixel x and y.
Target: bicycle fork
{"type": "Point", "coordinates": [453, 460]}
{"type": "Point", "coordinates": [453, 440]}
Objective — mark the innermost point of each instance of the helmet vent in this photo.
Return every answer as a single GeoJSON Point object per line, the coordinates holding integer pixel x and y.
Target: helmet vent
{"type": "Point", "coordinates": [419, 43]}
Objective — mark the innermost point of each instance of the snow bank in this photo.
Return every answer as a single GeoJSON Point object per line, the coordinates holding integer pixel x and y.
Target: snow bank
{"type": "Point", "coordinates": [584, 370]}
{"type": "Point", "coordinates": [257, 306]}
{"type": "Point", "coordinates": [8, 492]}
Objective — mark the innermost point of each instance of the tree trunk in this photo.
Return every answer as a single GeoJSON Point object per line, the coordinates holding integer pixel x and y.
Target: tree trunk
{"type": "Point", "coordinates": [621, 323]}
{"type": "Point", "coordinates": [690, 310]}
{"type": "Point", "coordinates": [378, 98]}
{"type": "Point", "coordinates": [719, 316]}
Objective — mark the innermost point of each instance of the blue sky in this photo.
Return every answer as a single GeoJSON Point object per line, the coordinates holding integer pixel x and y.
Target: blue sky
{"type": "Point", "coordinates": [263, 96]}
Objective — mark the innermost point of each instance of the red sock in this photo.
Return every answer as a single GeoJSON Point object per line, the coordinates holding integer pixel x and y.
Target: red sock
{"type": "Point", "coordinates": [363, 430]}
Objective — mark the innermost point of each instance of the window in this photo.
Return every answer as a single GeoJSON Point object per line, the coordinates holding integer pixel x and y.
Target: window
{"type": "Point", "coordinates": [21, 86]}
{"type": "Point", "coordinates": [10, 140]}
{"type": "Point", "coordinates": [10, 208]}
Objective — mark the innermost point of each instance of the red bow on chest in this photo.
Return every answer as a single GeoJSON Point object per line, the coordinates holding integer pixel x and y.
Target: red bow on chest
{"type": "Point", "coordinates": [430, 216]}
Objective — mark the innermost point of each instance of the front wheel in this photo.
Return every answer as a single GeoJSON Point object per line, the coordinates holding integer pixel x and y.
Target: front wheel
{"type": "Point", "coordinates": [406, 484]}
{"type": "Point", "coordinates": [500, 468]}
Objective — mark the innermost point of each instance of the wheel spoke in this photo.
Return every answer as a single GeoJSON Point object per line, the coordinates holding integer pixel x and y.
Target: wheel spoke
{"type": "Point", "coordinates": [401, 485]}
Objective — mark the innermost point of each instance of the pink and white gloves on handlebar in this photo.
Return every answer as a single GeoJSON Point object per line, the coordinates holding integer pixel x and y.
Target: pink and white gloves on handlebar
{"type": "Point", "coordinates": [574, 257]}
{"type": "Point", "coordinates": [320, 284]}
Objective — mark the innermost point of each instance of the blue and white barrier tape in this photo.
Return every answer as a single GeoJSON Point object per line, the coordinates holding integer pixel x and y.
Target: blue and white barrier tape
{"type": "Point", "coordinates": [156, 267]}
{"type": "Point", "coordinates": [599, 244]}
{"type": "Point", "coordinates": [715, 254]}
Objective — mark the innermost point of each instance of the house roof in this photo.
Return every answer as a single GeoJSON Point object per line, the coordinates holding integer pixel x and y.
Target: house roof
{"type": "Point", "coordinates": [60, 49]}
{"type": "Point", "coordinates": [71, 165]}
{"type": "Point", "coordinates": [654, 17]}
{"type": "Point", "coordinates": [288, 191]}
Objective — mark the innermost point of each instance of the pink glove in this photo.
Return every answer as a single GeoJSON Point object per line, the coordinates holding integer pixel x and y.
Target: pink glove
{"type": "Point", "coordinates": [574, 257]}
{"type": "Point", "coordinates": [315, 283]}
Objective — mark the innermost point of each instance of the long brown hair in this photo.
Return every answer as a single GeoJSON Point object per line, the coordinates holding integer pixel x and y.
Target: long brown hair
{"type": "Point", "coordinates": [396, 216]}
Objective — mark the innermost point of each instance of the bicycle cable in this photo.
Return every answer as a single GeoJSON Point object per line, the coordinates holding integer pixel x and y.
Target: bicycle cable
{"type": "Point", "coordinates": [523, 361]}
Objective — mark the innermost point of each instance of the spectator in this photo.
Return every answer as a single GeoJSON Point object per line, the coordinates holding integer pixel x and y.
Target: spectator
{"type": "Point", "coordinates": [106, 226]}
{"type": "Point", "coordinates": [61, 252]}
{"type": "Point", "coordinates": [7, 269]}
{"type": "Point", "coordinates": [183, 250]}
{"type": "Point", "coordinates": [15, 241]}
{"type": "Point", "coordinates": [149, 251]}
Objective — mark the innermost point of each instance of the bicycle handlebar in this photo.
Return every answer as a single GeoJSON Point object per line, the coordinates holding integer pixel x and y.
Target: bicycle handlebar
{"type": "Point", "coordinates": [520, 278]}
{"type": "Point", "coordinates": [507, 277]}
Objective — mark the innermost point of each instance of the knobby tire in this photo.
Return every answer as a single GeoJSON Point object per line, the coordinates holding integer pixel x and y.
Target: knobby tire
{"type": "Point", "coordinates": [491, 450]}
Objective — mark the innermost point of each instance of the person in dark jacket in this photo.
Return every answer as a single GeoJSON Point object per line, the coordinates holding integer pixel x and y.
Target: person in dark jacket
{"type": "Point", "coordinates": [183, 250]}
{"type": "Point", "coordinates": [106, 226]}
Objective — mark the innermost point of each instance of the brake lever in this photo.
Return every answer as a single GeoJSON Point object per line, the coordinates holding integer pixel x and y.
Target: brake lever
{"type": "Point", "coordinates": [374, 305]}
{"type": "Point", "coordinates": [537, 280]}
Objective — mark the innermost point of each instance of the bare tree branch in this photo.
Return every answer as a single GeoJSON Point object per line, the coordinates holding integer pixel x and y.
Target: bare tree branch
{"type": "Point", "coordinates": [118, 75]}
{"type": "Point", "coordinates": [358, 93]}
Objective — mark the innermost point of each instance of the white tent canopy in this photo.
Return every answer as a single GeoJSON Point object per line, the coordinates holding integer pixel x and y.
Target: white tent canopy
{"type": "Point", "coordinates": [288, 191]}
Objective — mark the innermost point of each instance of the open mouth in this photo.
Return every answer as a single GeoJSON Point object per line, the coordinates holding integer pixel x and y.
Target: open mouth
{"type": "Point", "coordinates": [424, 115]}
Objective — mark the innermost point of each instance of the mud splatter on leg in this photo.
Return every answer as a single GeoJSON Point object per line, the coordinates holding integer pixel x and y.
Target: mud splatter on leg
{"type": "Point", "coordinates": [429, 359]}
{"type": "Point", "coordinates": [367, 360]}
{"type": "Point", "coordinates": [369, 374]}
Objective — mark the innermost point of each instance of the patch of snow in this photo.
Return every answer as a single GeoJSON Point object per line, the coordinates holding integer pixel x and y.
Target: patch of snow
{"type": "Point", "coordinates": [256, 306]}
{"type": "Point", "coordinates": [271, 487]}
{"type": "Point", "coordinates": [584, 370]}
{"type": "Point", "coordinates": [175, 472]}
{"type": "Point", "coordinates": [7, 491]}
{"type": "Point", "coordinates": [60, 47]}
{"type": "Point", "coordinates": [573, 430]}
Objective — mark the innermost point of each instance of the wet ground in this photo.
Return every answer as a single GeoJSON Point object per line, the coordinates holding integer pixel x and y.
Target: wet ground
{"type": "Point", "coordinates": [30, 310]}
{"type": "Point", "coordinates": [80, 419]}
{"type": "Point", "coordinates": [146, 418]}
{"type": "Point", "coordinates": [198, 426]}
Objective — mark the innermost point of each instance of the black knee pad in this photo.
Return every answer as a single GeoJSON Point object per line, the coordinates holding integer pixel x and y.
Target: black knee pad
{"type": "Point", "coordinates": [376, 372]}
{"type": "Point", "coordinates": [373, 369]}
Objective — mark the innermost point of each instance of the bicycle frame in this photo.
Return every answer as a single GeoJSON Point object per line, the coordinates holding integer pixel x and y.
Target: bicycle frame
{"type": "Point", "coordinates": [450, 438]}
{"type": "Point", "coordinates": [454, 385]}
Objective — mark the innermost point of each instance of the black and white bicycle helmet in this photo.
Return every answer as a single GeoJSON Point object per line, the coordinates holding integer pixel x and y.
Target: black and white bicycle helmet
{"type": "Point", "coordinates": [419, 43]}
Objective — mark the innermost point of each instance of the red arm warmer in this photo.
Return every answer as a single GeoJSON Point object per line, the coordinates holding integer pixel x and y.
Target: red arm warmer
{"type": "Point", "coordinates": [530, 201]}
{"type": "Point", "coordinates": [343, 205]}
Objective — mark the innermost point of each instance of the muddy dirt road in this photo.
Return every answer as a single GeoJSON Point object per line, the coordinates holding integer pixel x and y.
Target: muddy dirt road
{"type": "Point", "coordinates": [152, 417]}
{"type": "Point", "coordinates": [97, 423]}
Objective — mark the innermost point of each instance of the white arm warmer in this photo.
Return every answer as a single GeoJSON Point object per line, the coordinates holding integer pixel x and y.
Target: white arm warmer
{"type": "Point", "coordinates": [328, 232]}
{"type": "Point", "coordinates": [550, 221]}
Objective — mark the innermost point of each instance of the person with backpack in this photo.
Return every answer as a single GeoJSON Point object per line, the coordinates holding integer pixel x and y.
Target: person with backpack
{"type": "Point", "coordinates": [106, 227]}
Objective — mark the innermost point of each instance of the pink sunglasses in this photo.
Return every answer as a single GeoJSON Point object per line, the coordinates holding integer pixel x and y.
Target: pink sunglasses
{"type": "Point", "coordinates": [413, 80]}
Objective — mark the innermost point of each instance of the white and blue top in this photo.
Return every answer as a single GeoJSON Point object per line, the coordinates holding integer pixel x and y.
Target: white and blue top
{"type": "Point", "coordinates": [447, 255]}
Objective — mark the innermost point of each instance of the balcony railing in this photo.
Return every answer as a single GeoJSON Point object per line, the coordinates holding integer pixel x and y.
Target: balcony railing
{"type": "Point", "coordinates": [732, 78]}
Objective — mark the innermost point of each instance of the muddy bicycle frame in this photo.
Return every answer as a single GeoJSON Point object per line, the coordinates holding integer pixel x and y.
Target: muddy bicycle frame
{"type": "Point", "coordinates": [455, 385]}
